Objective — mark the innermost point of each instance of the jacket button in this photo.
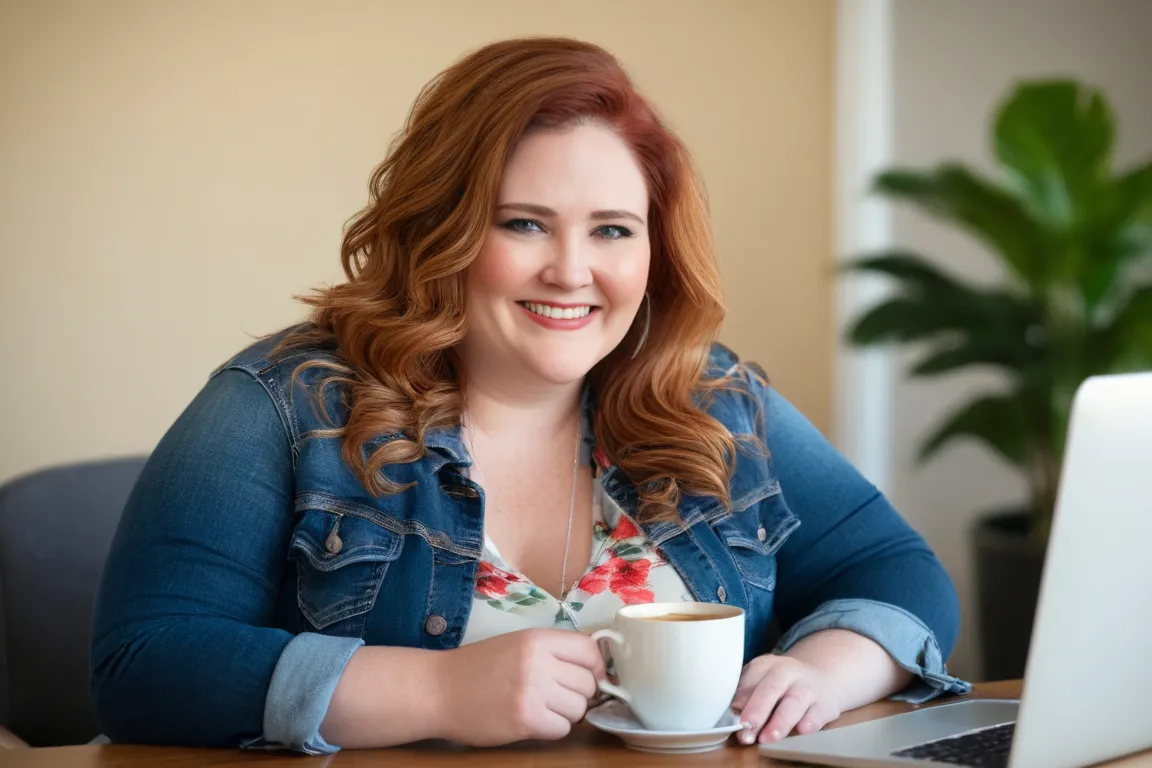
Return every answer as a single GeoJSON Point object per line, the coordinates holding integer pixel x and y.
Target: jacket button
{"type": "Point", "coordinates": [722, 594]}
{"type": "Point", "coordinates": [460, 491]}
{"type": "Point", "coordinates": [435, 626]}
{"type": "Point", "coordinates": [761, 533]}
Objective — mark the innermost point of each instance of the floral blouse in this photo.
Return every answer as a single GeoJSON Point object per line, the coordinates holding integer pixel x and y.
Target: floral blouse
{"type": "Point", "coordinates": [624, 570]}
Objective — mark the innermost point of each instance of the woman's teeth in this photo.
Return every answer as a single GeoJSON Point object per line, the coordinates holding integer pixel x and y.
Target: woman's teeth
{"type": "Point", "coordinates": [557, 313]}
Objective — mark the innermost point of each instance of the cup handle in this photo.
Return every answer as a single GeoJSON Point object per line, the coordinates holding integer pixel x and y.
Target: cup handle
{"type": "Point", "coordinates": [604, 685]}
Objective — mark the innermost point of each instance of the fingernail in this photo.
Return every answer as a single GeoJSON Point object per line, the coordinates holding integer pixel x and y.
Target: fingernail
{"type": "Point", "coordinates": [746, 737]}
{"type": "Point", "coordinates": [769, 737]}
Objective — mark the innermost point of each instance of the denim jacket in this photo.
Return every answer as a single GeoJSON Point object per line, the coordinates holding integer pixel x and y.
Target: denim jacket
{"type": "Point", "coordinates": [250, 562]}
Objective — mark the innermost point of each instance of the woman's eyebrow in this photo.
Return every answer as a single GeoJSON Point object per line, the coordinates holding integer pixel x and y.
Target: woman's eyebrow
{"type": "Point", "coordinates": [542, 210]}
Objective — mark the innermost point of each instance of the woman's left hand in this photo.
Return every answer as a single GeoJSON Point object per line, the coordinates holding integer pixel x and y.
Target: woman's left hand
{"type": "Point", "coordinates": [779, 693]}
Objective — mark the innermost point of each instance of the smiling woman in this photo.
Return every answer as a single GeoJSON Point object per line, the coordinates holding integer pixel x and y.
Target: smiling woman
{"type": "Point", "coordinates": [560, 198]}
{"type": "Point", "coordinates": [404, 519]}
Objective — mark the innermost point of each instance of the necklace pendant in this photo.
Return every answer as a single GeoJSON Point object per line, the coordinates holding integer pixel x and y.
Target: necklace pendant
{"type": "Point", "coordinates": [566, 613]}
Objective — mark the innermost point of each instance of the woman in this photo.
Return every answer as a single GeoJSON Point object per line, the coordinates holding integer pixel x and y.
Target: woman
{"type": "Point", "coordinates": [511, 419]}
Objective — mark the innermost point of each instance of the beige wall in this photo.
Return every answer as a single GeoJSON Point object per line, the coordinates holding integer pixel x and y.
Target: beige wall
{"type": "Point", "coordinates": [173, 172]}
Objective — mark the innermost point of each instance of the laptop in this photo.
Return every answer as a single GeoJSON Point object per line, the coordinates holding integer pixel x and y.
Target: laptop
{"type": "Point", "coordinates": [1087, 694]}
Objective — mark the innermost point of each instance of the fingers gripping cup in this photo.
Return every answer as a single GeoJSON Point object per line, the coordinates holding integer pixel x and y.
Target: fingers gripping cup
{"type": "Point", "coordinates": [678, 663]}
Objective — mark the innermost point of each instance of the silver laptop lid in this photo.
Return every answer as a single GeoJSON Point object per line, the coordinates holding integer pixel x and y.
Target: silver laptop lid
{"type": "Point", "coordinates": [1088, 683]}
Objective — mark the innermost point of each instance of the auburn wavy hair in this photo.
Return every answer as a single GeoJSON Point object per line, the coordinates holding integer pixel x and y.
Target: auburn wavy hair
{"type": "Point", "coordinates": [395, 322]}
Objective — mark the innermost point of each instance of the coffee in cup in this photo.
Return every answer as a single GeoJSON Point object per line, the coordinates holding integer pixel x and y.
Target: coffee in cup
{"type": "Point", "coordinates": [678, 663]}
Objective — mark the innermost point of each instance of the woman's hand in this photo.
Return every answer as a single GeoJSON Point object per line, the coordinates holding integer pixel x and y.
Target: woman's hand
{"type": "Point", "coordinates": [779, 693]}
{"type": "Point", "coordinates": [531, 684]}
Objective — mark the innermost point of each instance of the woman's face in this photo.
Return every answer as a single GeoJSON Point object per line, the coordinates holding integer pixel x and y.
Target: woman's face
{"type": "Point", "coordinates": [564, 266]}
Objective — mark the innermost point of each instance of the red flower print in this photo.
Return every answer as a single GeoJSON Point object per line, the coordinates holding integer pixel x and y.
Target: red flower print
{"type": "Point", "coordinates": [625, 529]}
{"type": "Point", "coordinates": [493, 582]}
{"type": "Point", "coordinates": [627, 580]}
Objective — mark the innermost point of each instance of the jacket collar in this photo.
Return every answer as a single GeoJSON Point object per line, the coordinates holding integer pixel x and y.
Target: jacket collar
{"type": "Point", "coordinates": [445, 445]}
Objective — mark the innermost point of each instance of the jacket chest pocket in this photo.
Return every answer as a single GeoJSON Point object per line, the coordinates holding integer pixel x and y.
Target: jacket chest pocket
{"type": "Point", "coordinates": [754, 536]}
{"type": "Point", "coordinates": [341, 561]}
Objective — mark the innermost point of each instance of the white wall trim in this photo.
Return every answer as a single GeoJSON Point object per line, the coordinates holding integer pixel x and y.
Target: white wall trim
{"type": "Point", "coordinates": [862, 411]}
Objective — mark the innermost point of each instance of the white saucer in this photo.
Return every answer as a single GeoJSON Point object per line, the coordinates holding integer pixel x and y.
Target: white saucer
{"type": "Point", "coordinates": [614, 717]}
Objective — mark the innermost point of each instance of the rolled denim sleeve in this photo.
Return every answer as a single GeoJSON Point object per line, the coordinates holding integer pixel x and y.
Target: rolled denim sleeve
{"type": "Point", "coordinates": [185, 646]}
{"type": "Point", "coordinates": [854, 563]}
{"type": "Point", "coordinates": [301, 687]}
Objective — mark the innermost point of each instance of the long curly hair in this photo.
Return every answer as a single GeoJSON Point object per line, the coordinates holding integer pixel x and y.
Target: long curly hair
{"type": "Point", "coordinates": [395, 322]}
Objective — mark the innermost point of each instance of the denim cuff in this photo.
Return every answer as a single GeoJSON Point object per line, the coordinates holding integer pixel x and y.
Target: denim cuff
{"type": "Point", "coordinates": [301, 689]}
{"type": "Point", "coordinates": [905, 637]}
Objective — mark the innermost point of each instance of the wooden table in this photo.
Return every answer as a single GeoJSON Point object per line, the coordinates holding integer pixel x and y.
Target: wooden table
{"type": "Point", "coordinates": [584, 747]}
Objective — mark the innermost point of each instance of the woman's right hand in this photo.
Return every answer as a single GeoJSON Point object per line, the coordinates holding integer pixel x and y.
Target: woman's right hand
{"type": "Point", "coordinates": [529, 684]}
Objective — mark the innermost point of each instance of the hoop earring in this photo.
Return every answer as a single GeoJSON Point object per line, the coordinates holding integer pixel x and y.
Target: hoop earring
{"type": "Point", "coordinates": [647, 324]}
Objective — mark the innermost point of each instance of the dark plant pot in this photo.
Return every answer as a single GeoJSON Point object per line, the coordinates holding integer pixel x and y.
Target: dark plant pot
{"type": "Point", "coordinates": [1008, 566]}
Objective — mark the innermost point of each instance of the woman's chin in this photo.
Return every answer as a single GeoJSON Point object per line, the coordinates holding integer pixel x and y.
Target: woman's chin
{"type": "Point", "coordinates": [560, 369]}
{"type": "Point", "coordinates": [561, 375]}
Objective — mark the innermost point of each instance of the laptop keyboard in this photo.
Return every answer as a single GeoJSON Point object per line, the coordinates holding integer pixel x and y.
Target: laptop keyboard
{"type": "Point", "coordinates": [986, 748]}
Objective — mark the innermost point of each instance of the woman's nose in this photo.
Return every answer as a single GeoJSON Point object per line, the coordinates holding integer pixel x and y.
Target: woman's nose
{"type": "Point", "coordinates": [569, 265]}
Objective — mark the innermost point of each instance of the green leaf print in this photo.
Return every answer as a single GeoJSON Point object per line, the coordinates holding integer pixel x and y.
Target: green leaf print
{"type": "Point", "coordinates": [629, 552]}
{"type": "Point", "coordinates": [576, 606]}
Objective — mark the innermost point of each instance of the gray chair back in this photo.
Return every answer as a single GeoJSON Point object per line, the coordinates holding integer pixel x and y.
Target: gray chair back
{"type": "Point", "coordinates": [56, 526]}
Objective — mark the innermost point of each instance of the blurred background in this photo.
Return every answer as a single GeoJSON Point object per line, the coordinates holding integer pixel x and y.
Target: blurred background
{"type": "Point", "coordinates": [173, 173]}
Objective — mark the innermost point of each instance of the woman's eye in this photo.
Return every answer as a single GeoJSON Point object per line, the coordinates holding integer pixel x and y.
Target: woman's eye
{"type": "Point", "coordinates": [523, 225]}
{"type": "Point", "coordinates": [613, 232]}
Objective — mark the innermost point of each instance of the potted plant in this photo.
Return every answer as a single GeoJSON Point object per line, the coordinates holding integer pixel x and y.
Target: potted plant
{"type": "Point", "coordinates": [1074, 239]}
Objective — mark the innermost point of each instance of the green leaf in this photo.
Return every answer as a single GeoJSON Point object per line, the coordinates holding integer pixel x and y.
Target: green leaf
{"type": "Point", "coordinates": [908, 267]}
{"type": "Point", "coordinates": [495, 603]}
{"type": "Point", "coordinates": [1136, 190]}
{"type": "Point", "coordinates": [1125, 344]}
{"type": "Point", "coordinates": [1000, 421]}
{"type": "Point", "coordinates": [912, 185]}
{"type": "Point", "coordinates": [957, 195]}
{"type": "Point", "coordinates": [576, 606]}
{"type": "Point", "coordinates": [974, 350]}
{"type": "Point", "coordinates": [1138, 322]}
{"type": "Point", "coordinates": [982, 326]}
{"type": "Point", "coordinates": [898, 319]}
{"type": "Point", "coordinates": [1120, 231]}
{"type": "Point", "coordinates": [989, 317]}
{"type": "Point", "coordinates": [1055, 140]}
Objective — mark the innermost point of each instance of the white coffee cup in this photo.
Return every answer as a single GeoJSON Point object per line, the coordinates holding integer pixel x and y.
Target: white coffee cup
{"type": "Point", "coordinates": [678, 663]}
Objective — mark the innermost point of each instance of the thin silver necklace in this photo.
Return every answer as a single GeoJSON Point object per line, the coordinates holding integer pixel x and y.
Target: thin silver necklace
{"type": "Point", "coordinates": [571, 511]}
{"type": "Point", "coordinates": [571, 505]}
